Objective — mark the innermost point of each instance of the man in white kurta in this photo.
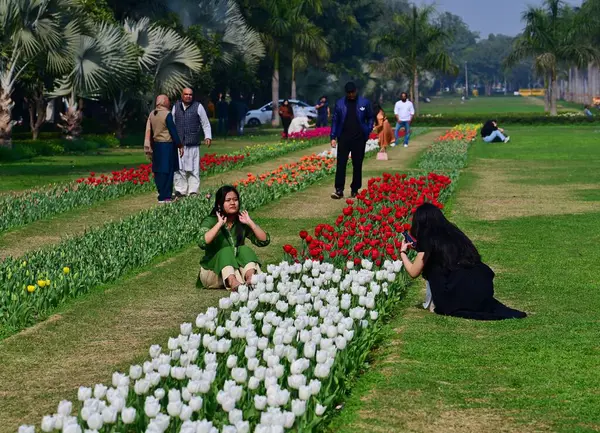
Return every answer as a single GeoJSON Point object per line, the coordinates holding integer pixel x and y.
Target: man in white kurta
{"type": "Point", "coordinates": [189, 117]}
{"type": "Point", "coordinates": [299, 124]}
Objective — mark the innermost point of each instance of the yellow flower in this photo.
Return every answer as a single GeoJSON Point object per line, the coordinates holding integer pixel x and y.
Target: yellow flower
{"type": "Point", "coordinates": [41, 283]}
{"type": "Point", "coordinates": [47, 282]}
{"type": "Point", "coordinates": [24, 264]}
{"type": "Point", "coordinates": [66, 270]}
{"type": "Point", "coordinates": [31, 288]}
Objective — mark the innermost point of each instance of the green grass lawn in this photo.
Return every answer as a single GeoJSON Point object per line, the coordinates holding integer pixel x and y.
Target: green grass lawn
{"type": "Point", "coordinates": [436, 373]}
{"type": "Point", "coordinates": [452, 105]}
{"type": "Point", "coordinates": [41, 171]}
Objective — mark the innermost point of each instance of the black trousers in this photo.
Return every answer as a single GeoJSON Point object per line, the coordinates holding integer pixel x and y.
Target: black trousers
{"type": "Point", "coordinates": [164, 185]}
{"type": "Point", "coordinates": [357, 147]}
{"type": "Point", "coordinates": [286, 125]}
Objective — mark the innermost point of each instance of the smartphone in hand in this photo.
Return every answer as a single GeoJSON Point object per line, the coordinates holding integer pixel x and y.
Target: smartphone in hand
{"type": "Point", "coordinates": [408, 238]}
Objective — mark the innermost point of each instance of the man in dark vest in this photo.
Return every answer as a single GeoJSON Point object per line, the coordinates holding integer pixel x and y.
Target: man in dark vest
{"type": "Point", "coordinates": [189, 116]}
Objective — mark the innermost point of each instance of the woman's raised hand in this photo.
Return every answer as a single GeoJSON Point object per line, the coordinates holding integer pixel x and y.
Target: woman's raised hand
{"type": "Point", "coordinates": [406, 245]}
{"type": "Point", "coordinates": [245, 218]}
{"type": "Point", "coordinates": [221, 218]}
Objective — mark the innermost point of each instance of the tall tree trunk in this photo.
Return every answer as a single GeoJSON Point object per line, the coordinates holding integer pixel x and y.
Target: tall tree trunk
{"type": "Point", "coordinates": [546, 95]}
{"type": "Point", "coordinates": [293, 92]}
{"type": "Point", "coordinates": [416, 89]}
{"type": "Point", "coordinates": [553, 94]}
{"type": "Point", "coordinates": [119, 114]}
{"type": "Point", "coordinates": [6, 106]}
{"type": "Point", "coordinates": [275, 90]}
{"type": "Point", "coordinates": [590, 81]}
{"type": "Point", "coordinates": [37, 105]}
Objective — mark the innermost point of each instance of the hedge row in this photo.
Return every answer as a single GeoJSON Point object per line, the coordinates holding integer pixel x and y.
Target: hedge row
{"type": "Point", "coordinates": [505, 119]}
{"type": "Point", "coordinates": [26, 149]}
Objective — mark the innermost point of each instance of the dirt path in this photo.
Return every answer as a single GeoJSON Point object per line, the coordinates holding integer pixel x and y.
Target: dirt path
{"type": "Point", "coordinates": [112, 328]}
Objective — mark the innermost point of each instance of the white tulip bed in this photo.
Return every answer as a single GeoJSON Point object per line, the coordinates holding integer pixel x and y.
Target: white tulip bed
{"type": "Point", "coordinates": [272, 359]}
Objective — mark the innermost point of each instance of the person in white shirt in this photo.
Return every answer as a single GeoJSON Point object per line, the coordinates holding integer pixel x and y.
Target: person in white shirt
{"type": "Point", "coordinates": [299, 124]}
{"type": "Point", "coordinates": [189, 116]}
{"type": "Point", "coordinates": [405, 112]}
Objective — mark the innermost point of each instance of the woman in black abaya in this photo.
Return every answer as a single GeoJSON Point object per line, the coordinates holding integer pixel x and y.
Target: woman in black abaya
{"type": "Point", "coordinates": [461, 284]}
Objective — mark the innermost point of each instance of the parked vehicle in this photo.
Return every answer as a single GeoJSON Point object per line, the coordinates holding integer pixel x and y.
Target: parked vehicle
{"type": "Point", "coordinates": [264, 114]}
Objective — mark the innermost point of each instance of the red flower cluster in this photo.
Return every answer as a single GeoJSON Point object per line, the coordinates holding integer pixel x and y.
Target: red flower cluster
{"type": "Point", "coordinates": [310, 133]}
{"type": "Point", "coordinates": [370, 226]}
{"type": "Point", "coordinates": [211, 160]}
{"type": "Point", "coordinates": [137, 176]}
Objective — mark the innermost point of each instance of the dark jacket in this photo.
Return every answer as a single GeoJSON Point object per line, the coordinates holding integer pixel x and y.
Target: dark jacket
{"type": "Point", "coordinates": [488, 129]}
{"type": "Point", "coordinates": [364, 112]}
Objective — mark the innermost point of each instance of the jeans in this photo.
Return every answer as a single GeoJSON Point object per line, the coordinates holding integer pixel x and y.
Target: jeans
{"type": "Point", "coordinates": [222, 126]}
{"type": "Point", "coordinates": [494, 137]}
{"type": "Point", "coordinates": [321, 121]}
{"type": "Point", "coordinates": [357, 147]}
{"type": "Point", "coordinates": [241, 127]}
{"type": "Point", "coordinates": [286, 121]}
{"type": "Point", "coordinates": [402, 124]}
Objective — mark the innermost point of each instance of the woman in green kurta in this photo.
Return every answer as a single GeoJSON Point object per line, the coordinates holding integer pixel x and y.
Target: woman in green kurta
{"type": "Point", "coordinates": [227, 262]}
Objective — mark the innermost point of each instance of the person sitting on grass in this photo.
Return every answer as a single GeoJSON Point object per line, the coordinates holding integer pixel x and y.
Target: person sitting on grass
{"type": "Point", "coordinates": [492, 134]}
{"type": "Point", "coordinates": [587, 111]}
{"type": "Point", "coordinates": [227, 262]}
{"type": "Point", "coordinates": [461, 284]}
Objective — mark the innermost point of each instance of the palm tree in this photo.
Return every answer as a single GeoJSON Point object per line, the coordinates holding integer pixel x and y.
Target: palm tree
{"type": "Point", "coordinates": [415, 45]}
{"type": "Point", "coordinates": [99, 63]}
{"type": "Point", "coordinates": [551, 37]}
{"type": "Point", "coordinates": [28, 29]}
{"type": "Point", "coordinates": [307, 42]}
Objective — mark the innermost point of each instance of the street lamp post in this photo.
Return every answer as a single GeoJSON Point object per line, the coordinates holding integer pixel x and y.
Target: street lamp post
{"type": "Point", "coordinates": [466, 81]}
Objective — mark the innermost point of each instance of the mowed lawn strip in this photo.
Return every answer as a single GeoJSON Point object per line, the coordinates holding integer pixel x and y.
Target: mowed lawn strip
{"type": "Point", "coordinates": [49, 231]}
{"type": "Point", "coordinates": [538, 374]}
{"type": "Point", "coordinates": [114, 326]}
{"type": "Point", "coordinates": [25, 174]}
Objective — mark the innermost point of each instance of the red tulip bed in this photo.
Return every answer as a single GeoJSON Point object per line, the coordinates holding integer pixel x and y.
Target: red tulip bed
{"type": "Point", "coordinates": [325, 132]}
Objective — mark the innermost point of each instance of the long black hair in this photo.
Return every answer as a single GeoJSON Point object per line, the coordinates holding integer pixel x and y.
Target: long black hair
{"type": "Point", "coordinates": [377, 108]}
{"type": "Point", "coordinates": [219, 206]}
{"type": "Point", "coordinates": [444, 244]}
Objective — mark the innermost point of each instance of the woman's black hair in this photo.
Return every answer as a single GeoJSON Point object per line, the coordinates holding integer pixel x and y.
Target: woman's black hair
{"type": "Point", "coordinates": [285, 100]}
{"type": "Point", "coordinates": [220, 196]}
{"type": "Point", "coordinates": [444, 244]}
{"type": "Point", "coordinates": [377, 108]}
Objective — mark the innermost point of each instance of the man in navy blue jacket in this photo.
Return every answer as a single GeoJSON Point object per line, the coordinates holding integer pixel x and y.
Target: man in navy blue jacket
{"type": "Point", "coordinates": [351, 124]}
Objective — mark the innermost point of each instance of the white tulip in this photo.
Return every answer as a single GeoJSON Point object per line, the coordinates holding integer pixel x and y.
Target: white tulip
{"type": "Point", "coordinates": [232, 361]}
{"type": "Point", "coordinates": [310, 349]}
{"type": "Point", "coordinates": [164, 370]}
{"type": "Point", "coordinates": [305, 392]}
{"type": "Point", "coordinates": [155, 351]}
{"type": "Point", "coordinates": [72, 428]}
{"type": "Point", "coordinates": [260, 402]}
{"type": "Point", "coordinates": [64, 408]}
{"type": "Point", "coordinates": [298, 407]}
{"type": "Point", "coordinates": [151, 407]}
{"type": "Point", "coordinates": [322, 371]}
{"type": "Point", "coordinates": [320, 410]}
{"type": "Point", "coordinates": [178, 373]}
{"type": "Point", "coordinates": [48, 423]}
{"type": "Point", "coordinates": [100, 391]}
{"type": "Point", "coordinates": [364, 323]}
{"type": "Point", "coordinates": [174, 408]}
{"type": "Point", "coordinates": [135, 372]}
{"type": "Point", "coordinates": [109, 415]}
{"type": "Point", "coordinates": [83, 393]}
{"type": "Point", "coordinates": [95, 421]}
{"type": "Point", "coordinates": [173, 343]}
{"type": "Point", "coordinates": [186, 395]}
{"type": "Point", "coordinates": [154, 378]}
{"type": "Point", "coordinates": [128, 415]}
{"type": "Point", "coordinates": [242, 426]}
{"type": "Point", "coordinates": [159, 393]}
{"type": "Point", "coordinates": [196, 404]}
{"type": "Point", "coordinates": [236, 416]}
{"type": "Point", "coordinates": [26, 429]}
{"type": "Point", "coordinates": [239, 374]}
{"type": "Point", "coordinates": [204, 386]}
{"type": "Point", "coordinates": [253, 383]}
{"type": "Point", "coordinates": [220, 331]}
{"type": "Point", "coordinates": [315, 386]}
{"type": "Point", "coordinates": [174, 395]}
{"type": "Point", "coordinates": [374, 315]}
{"type": "Point", "coordinates": [253, 364]}
{"type": "Point", "coordinates": [186, 413]}
{"type": "Point", "coordinates": [141, 387]}
{"type": "Point", "coordinates": [225, 303]}
{"type": "Point", "coordinates": [340, 342]}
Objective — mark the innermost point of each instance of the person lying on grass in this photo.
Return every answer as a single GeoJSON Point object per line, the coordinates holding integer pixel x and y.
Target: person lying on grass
{"type": "Point", "coordinates": [227, 262]}
{"type": "Point", "coordinates": [461, 284]}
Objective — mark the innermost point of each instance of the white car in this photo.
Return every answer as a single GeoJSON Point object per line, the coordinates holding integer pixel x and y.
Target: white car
{"type": "Point", "coordinates": [263, 115]}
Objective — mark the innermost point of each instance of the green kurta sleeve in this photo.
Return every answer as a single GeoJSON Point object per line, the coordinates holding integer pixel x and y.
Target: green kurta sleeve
{"type": "Point", "coordinates": [207, 224]}
{"type": "Point", "coordinates": [250, 235]}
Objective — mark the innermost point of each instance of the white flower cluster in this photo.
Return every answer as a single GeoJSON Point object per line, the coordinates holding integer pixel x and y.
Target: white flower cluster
{"type": "Point", "coordinates": [430, 115]}
{"type": "Point", "coordinates": [372, 145]}
{"type": "Point", "coordinates": [265, 360]}
{"type": "Point", "coordinates": [571, 114]}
